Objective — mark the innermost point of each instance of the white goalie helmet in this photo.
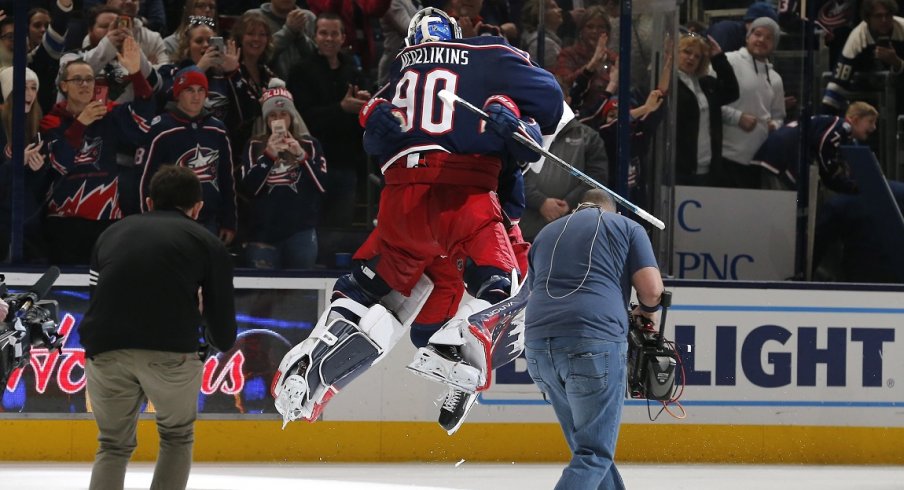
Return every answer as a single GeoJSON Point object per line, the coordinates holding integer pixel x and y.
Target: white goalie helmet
{"type": "Point", "coordinates": [431, 24]}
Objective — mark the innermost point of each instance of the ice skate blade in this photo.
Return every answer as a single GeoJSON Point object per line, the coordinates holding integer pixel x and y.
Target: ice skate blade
{"type": "Point", "coordinates": [429, 374]}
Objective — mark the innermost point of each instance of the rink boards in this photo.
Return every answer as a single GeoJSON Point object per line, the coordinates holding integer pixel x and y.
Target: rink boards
{"type": "Point", "coordinates": [775, 373]}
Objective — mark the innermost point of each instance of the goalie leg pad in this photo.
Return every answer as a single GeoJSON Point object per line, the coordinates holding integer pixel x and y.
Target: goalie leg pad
{"type": "Point", "coordinates": [336, 352]}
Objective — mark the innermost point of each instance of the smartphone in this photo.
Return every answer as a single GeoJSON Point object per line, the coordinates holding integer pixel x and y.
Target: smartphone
{"type": "Point", "coordinates": [218, 44]}
{"type": "Point", "coordinates": [124, 22]}
{"type": "Point", "coordinates": [100, 92]}
{"type": "Point", "coordinates": [278, 126]}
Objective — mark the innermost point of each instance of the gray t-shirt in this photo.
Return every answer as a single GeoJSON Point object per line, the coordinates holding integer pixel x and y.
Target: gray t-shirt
{"type": "Point", "coordinates": [570, 299]}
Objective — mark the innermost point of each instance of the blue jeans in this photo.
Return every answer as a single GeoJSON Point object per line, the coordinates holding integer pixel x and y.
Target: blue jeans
{"type": "Point", "coordinates": [299, 251]}
{"type": "Point", "coordinates": [584, 379]}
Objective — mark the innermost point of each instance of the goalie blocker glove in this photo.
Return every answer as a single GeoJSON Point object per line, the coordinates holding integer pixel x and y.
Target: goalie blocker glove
{"type": "Point", "coordinates": [381, 121]}
{"type": "Point", "coordinates": [505, 120]}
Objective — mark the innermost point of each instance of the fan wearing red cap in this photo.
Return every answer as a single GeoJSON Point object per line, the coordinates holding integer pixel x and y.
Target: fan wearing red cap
{"type": "Point", "coordinates": [190, 91]}
{"type": "Point", "coordinates": [188, 134]}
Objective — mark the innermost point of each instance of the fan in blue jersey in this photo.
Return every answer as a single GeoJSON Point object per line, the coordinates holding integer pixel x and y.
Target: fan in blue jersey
{"type": "Point", "coordinates": [780, 152]}
{"type": "Point", "coordinates": [442, 166]}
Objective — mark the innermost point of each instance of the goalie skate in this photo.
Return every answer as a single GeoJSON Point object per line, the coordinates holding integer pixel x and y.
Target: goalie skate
{"type": "Point", "coordinates": [456, 406]}
{"type": "Point", "coordinates": [448, 368]}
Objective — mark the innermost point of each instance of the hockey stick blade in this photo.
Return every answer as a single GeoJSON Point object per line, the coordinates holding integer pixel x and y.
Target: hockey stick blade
{"type": "Point", "coordinates": [450, 99]}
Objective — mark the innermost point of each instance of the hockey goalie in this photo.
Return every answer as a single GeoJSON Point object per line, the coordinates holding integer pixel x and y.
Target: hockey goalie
{"type": "Point", "coordinates": [440, 225]}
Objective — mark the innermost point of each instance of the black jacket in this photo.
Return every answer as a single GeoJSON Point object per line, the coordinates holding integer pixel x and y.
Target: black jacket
{"type": "Point", "coordinates": [718, 91]}
{"type": "Point", "coordinates": [145, 273]}
{"type": "Point", "coordinates": [318, 91]}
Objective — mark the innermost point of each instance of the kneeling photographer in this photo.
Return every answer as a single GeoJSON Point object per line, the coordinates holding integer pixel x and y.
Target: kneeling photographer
{"type": "Point", "coordinates": [582, 267]}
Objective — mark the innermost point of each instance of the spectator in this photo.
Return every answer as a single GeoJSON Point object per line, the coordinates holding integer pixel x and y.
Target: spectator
{"type": "Point", "coordinates": [221, 69]}
{"type": "Point", "coordinates": [83, 135]}
{"type": "Point", "coordinates": [328, 95]}
{"type": "Point", "coordinates": [187, 135]}
{"type": "Point", "coordinates": [731, 35]}
{"type": "Point", "coordinates": [150, 41]}
{"type": "Point", "coordinates": [394, 25]}
{"type": "Point", "coordinates": [698, 153]}
{"type": "Point", "coordinates": [581, 271]}
{"type": "Point", "coordinates": [850, 222]}
{"type": "Point", "coordinates": [530, 20]}
{"type": "Point", "coordinates": [876, 44]}
{"type": "Point", "coordinates": [553, 192]}
{"type": "Point", "coordinates": [38, 21]}
{"type": "Point", "coordinates": [589, 56]}
{"type": "Point", "coordinates": [251, 34]}
{"type": "Point", "coordinates": [35, 175]}
{"type": "Point", "coordinates": [156, 278]}
{"type": "Point", "coordinates": [102, 46]}
{"type": "Point", "coordinates": [44, 55]}
{"type": "Point", "coordinates": [193, 8]}
{"type": "Point", "coordinates": [644, 121]}
{"type": "Point", "coordinates": [282, 174]}
{"type": "Point", "coordinates": [470, 17]}
{"type": "Point", "coordinates": [150, 13]}
{"type": "Point", "coordinates": [358, 18]}
{"type": "Point", "coordinates": [760, 108]}
{"type": "Point", "coordinates": [837, 18]}
{"type": "Point", "coordinates": [293, 30]}
{"type": "Point", "coordinates": [780, 154]}
{"type": "Point", "coordinates": [7, 39]}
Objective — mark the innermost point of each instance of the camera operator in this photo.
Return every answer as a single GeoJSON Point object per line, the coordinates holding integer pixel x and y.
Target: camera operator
{"type": "Point", "coordinates": [142, 329]}
{"type": "Point", "coordinates": [582, 267]}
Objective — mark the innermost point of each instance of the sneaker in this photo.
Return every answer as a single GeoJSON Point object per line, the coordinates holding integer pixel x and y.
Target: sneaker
{"type": "Point", "coordinates": [455, 408]}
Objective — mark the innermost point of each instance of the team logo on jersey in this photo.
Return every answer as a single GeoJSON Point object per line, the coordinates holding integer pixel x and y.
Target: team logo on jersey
{"type": "Point", "coordinates": [217, 104]}
{"type": "Point", "coordinates": [203, 162]}
{"type": "Point", "coordinates": [102, 202]}
{"type": "Point", "coordinates": [89, 153]}
{"type": "Point", "coordinates": [284, 175]}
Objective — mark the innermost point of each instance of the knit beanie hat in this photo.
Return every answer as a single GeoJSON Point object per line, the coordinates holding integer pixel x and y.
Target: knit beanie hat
{"type": "Point", "coordinates": [6, 80]}
{"type": "Point", "coordinates": [276, 98]}
{"type": "Point", "coordinates": [767, 23]}
{"type": "Point", "coordinates": [185, 77]}
{"type": "Point", "coordinates": [760, 9]}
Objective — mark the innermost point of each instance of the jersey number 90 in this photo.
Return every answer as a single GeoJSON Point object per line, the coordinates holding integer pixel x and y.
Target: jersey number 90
{"type": "Point", "coordinates": [416, 92]}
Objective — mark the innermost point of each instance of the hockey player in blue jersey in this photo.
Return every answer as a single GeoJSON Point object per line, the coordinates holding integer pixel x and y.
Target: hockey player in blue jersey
{"type": "Point", "coordinates": [442, 168]}
{"type": "Point", "coordinates": [780, 152]}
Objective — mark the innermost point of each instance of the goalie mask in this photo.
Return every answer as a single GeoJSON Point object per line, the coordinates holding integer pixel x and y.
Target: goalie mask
{"type": "Point", "coordinates": [431, 24]}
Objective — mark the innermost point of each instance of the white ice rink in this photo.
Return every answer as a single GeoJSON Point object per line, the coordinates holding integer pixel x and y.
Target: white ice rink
{"type": "Point", "coordinates": [470, 476]}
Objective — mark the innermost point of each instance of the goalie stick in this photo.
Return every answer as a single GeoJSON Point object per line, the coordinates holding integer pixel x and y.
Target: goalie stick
{"type": "Point", "coordinates": [450, 99]}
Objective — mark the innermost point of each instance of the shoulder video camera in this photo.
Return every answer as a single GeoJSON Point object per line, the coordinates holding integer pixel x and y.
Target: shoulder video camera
{"type": "Point", "coordinates": [652, 360]}
{"type": "Point", "coordinates": [30, 322]}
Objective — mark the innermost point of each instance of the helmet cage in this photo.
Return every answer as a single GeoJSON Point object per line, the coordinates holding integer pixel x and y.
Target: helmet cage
{"type": "Point", "coordinates": [431, 24]}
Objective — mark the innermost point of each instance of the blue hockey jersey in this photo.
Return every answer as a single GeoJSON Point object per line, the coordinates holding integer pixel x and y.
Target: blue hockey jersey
{"type": "Point", "coordinates": [202, 145]}
{"type": "Point", "coordinates": [780, 152]}
{"type": "Point", "coordinates": [474, 69]}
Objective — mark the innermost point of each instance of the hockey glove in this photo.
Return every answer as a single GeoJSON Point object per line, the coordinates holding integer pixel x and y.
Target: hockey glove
{"type": "Point", "coordinates": [381, 117]}
{"type": "Point", "coordinates": [504, 116]}
{"type": "Point", "coordinates": [504, 121]}
{"type": "Point", "coordinates": [382, 122]}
